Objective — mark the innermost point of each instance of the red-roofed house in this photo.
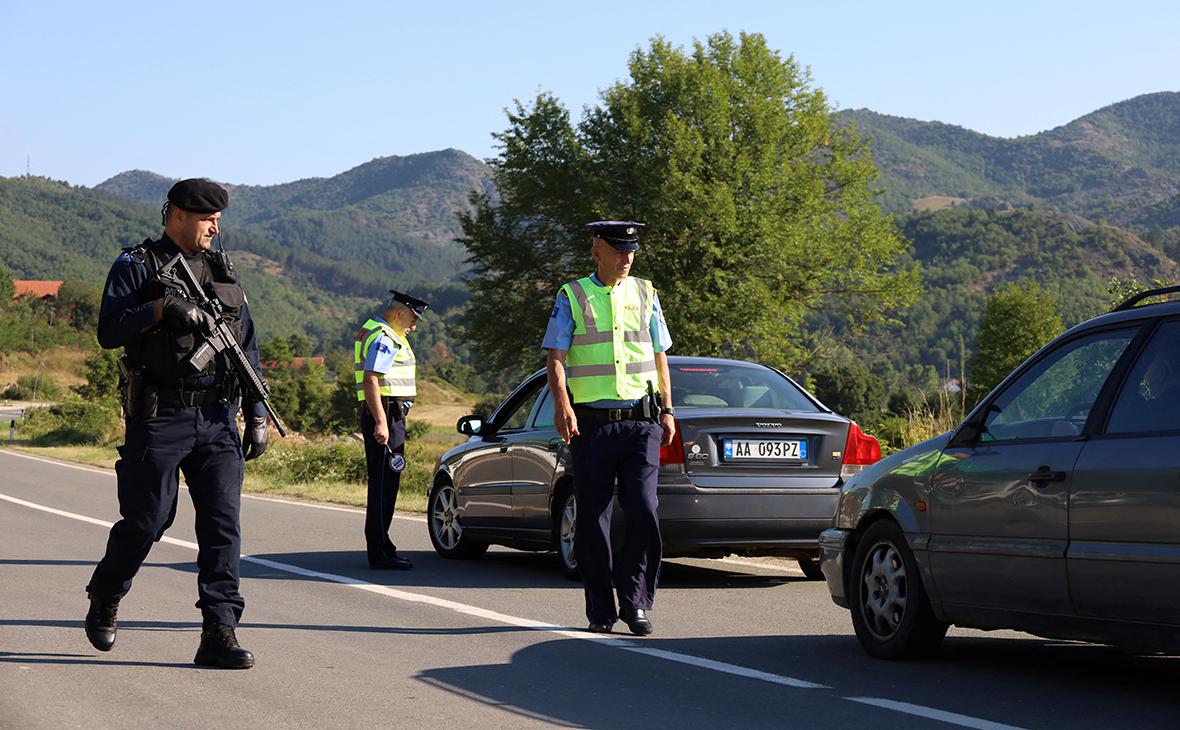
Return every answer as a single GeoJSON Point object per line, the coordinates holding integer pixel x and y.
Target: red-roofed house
{"type": "Point", "coordinates": [46, 290]}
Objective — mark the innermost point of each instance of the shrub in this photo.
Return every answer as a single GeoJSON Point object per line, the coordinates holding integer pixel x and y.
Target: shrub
{"type": "Point", "coordinates": [33, 387]}
{"type": "Point", "coordinates": [72, 423]}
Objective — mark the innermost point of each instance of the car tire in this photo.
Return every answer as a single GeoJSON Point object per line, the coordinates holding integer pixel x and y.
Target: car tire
{"type": "Point", "coordinates": [810, 568]}
{"type": "Point", "coordinates": [565, 513]}
{"type": "Point", "coordinates": [890, 611]}
{"type": "Point", "coordinates": [444, 525]}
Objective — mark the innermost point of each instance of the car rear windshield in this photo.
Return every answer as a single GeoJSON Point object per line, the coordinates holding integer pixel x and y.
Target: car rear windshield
{"type": "Point", "coordinates": [735, 386]}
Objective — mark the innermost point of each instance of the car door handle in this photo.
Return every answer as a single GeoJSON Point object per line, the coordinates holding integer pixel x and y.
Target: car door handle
{"type": "Point", "coordinates": [1045, 474]}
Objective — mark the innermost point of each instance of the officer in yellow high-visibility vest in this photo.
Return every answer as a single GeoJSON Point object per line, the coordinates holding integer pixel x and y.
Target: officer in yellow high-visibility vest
{"type": "Point", "coordinates": [608, 373]}
{"type": "Point", "coordinates": [384, 365]}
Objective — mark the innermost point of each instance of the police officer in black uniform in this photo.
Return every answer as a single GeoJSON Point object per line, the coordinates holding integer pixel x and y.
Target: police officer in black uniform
{"type": "Point", "coordinates": [178, 421]}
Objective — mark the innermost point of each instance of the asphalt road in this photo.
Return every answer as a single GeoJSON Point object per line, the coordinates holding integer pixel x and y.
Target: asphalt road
{"type": "Point", "coordinates": [494, 642]}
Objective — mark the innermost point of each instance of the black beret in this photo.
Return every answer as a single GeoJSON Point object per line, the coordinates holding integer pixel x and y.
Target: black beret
{"type": "Point", "coordinates": [623, 235]}
{"type": "Point", "coordinates": [198, 195]}
{"type": "Point", "coordinates": [414, 303]}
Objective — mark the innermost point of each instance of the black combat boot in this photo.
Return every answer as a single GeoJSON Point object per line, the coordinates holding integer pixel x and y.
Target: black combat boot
{"type": "Point", "coordinates": [100, 622]}
{"type": "Point", "coordinates": [219, 648]}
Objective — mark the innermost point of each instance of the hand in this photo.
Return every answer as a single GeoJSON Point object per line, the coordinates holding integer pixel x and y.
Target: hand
{"type": "Point", "coordinates": [381, 432]}
{"type": "Point", "coordinates": [567, 423]}
{"type": "Point", "coordinates": [668, 421]}
{"type": "Point", "coordinates": [185, 316]}
{"type": "Point", "coordinates": [256, 437]}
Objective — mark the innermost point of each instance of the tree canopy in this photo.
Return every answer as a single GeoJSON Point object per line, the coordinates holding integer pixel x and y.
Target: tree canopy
{"type": "Point", "coordinates": [760, 206]}
{"type": "Point", "coordinates": [1017, 320]}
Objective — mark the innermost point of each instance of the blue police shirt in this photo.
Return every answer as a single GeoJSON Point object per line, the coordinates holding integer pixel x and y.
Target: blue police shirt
{"type": "Point", "coordinates": [124, 313]}
{"type": "Point", "coordinates": [560, 334]}
{"type": "Point", "coordinates": [379, 358]}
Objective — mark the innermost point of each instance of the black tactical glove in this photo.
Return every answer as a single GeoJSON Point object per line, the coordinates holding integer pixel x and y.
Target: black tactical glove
{"type": "Point", "coordinates": [256, 437]}
{"type": "Point", "coordinates": [185, 316]}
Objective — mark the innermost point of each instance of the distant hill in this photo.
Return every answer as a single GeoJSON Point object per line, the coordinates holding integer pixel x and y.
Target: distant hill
{"type": "Point", "coordinates": [966, 253]}
{"type": "Point", "coordinates": [1121, 163]}
{"type": "Point", "coordinates": [394, 215]}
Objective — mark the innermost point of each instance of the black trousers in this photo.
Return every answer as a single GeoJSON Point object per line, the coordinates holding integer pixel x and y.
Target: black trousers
{"type": "Point", "coordinates": [384, 480]}
{"type": "Point", "coordinates": [203, 443]}
{"type": "Point", "coordinates": [629, 451]}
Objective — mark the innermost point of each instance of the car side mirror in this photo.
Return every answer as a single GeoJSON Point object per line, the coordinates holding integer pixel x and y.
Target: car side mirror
{"type": "Point", "coordinates": [470, 425]}
{"type": "Point", "coordinates": [967, 435]}
{"type": "Point", "coordinates": [970, 432]}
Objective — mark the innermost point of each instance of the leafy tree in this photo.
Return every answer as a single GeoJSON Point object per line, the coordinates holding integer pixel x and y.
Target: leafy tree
{"type": "Point", "coordinates": [851, 389]}
{"type": "Point", "coordinates": [7, 289]}
{"type": "Point", "coordinates": [1017, 320]}
{"type": "Point", "coordinates": [760, 206]}
{"type": "Point", "coordinates": [79, 302]}
{"type": "Point", "coordinates": [102, 375]}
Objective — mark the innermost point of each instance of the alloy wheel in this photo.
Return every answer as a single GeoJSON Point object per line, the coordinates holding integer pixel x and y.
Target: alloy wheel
{"type": "Point", "coordinates": [569, 520]}
{"type": "Point", "coordinates": [885, 590]}
{"type": "Point", "coordinates": [444, 518]}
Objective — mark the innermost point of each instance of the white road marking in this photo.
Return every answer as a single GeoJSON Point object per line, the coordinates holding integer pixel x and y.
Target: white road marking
{"type": "Point", "coordinates": [610, 641]}
{"type": "Point", "coordinates": [466, 609]}
{"type": "Point", "coordinates": [109, 473]}
{"type": "Point", "coordinates": [953, 718]}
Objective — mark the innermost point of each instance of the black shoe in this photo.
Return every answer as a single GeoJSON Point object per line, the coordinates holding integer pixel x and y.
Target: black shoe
{"type": "Point", "coordinates": [100, 623]}
{"type": "Point", "coordinates": [219, 648]}
{"type": "Point", "coordinates": [599, 628]}
{"type": "Point", "coordinates": [397, 562]}
{"type": "Point", "coordinates": [637, 620]}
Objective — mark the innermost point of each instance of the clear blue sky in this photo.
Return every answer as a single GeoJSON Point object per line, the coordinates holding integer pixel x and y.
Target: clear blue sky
{"type": "Point", "coordinates": [261, 92]}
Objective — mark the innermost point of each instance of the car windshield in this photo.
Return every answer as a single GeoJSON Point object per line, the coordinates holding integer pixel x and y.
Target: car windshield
{"type": "Point", "coordinates": [722, 385]}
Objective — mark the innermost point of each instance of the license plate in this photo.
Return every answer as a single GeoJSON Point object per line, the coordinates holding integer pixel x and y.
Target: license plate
{"type": "Point", "coordinates": [762, 450]}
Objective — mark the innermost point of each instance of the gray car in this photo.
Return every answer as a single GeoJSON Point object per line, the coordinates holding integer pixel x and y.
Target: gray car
{"type": "Point", "coordinates": [755, 469]}
{"type": "Point", "coordinates": [1054, 508]}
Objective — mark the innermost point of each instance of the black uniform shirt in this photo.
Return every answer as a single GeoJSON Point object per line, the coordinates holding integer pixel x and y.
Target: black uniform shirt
{"type": "Point", "coordinates": [126, 312]}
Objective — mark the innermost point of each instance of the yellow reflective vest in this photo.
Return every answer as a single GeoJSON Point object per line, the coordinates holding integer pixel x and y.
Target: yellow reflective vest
{"type": "Point", "coordinates": [399, 381]}
{"type": "Point", "coordinates": [611, 355]}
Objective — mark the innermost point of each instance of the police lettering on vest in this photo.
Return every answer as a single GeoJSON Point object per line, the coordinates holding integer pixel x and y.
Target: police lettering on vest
{"type": "Point", "coordinates": [611, 354]}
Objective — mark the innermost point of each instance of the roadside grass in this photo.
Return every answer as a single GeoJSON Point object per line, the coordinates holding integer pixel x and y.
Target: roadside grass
{"type": "Point", "coordinates": [323, 469]}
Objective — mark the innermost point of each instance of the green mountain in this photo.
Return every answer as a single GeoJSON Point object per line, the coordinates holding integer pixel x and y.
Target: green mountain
{"type": "Point", "coordinates": [1121, 163]}
{"type": "Point", "coordinates": [966, 253]}
{"type": "Point", "coordinates": [393, 216]}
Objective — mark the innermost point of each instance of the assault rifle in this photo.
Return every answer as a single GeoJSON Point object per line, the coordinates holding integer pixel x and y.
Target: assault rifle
{"type": "Point", "coordinates": [176, 272]}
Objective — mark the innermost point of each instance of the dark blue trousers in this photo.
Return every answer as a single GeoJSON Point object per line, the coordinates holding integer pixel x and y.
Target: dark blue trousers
{"type": "Point", "coordinates": [384, 481]}
{"type": "Point", "coordinates": [629, 451]}
{"type": "Point", "coordinates": [203, 443]}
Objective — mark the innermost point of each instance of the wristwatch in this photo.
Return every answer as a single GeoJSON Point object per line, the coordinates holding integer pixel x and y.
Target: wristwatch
{"type": "Point", "coordinates": [669, 410]}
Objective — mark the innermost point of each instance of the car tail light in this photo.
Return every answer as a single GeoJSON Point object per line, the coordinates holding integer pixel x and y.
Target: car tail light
{"type": "Point", "coordinates": [859, 451]}
{"type": "Point", "coordinates": [672, 455]}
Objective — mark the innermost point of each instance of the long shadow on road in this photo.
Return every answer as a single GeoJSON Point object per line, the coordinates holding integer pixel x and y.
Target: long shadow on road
{"type": "Point", "coordinates": [1024, 683]}
{"type": "Point", "coordinates": [494, 570]}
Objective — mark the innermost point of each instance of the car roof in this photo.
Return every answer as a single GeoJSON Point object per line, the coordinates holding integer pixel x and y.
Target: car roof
{"type": "Point", "coordinates": [1143, 311]}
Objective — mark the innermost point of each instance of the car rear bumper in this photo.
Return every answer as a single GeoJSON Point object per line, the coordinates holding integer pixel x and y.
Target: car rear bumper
{"type": "Point", "coordinates": [832, 542]}
{"type": "Point", "coordinates": [770, 523]}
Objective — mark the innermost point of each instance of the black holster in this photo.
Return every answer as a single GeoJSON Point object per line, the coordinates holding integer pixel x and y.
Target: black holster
{"type": "Point", "coordinates": [137, 396]}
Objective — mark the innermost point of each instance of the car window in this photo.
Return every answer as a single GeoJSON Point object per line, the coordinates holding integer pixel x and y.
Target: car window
{"type": "Point", "coordinates": [515, 420]}
{"type": "Point", "coordinates": [544, 418]}
{"type": "Point", "coordinates": [735, 386]}
{"type": "Point", "coordinates": [1054, 398]}
{"type": "Point", "coordinates": [1150, 399]}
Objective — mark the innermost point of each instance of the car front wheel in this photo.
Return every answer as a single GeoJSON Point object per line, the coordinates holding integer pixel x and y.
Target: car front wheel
{"type": "Point", "coordinates": [890, 610]}
{"type": "Point", "coordinates": [446, 527]}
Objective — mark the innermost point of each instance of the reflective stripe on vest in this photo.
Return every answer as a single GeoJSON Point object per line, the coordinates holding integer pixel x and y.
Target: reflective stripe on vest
{"type": "Point", "coordinates": [611, 355]}
{"type": "Point", "coordinates": [399, 381]}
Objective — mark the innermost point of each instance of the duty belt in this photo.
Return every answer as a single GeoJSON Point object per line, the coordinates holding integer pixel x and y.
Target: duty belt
{"type": "Point", "coordinates": [179, 397]}
{"type": "Point", "coordinates": [608, 414]}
